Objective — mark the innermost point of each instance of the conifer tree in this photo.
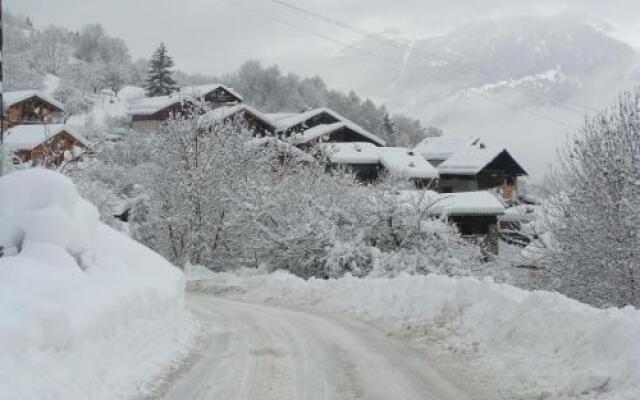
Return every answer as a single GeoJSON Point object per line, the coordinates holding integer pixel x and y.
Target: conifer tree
{"type": "Point", "coordinates": [390, 130]}
{"type": "Point", "coordinates": [160, 80]}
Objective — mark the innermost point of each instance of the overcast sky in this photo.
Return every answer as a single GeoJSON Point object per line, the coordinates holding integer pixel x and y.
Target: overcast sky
{"type": "Point", "coordinates": [216, 36]}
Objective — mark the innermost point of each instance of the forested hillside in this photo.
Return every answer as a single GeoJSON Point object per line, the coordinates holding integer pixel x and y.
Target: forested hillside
{"type": "Point", "coordinates": [90, 61]}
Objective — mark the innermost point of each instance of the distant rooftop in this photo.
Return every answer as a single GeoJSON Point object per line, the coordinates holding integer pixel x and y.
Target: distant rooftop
{"type": "Point", "coordinates": [406, 162]}
{"type": "Point", "coordinates": [327, 129]}
{"type": "Point", "coordinates": [202, 90]}
{"type": "Point", "coordinates": [224, 112]}
{"type": "Point", "coordinates": [12, 98]}
{"type": "Point", "coordinates": [442, 147]}
{"type": "Point", "coordinates": [151, 105]}
{"type": "Point", "coordinates": [28, 137]}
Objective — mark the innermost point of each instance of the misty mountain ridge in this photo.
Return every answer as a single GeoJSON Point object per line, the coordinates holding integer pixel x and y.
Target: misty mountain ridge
{"type": "Point", "coordinates": [515, 80]}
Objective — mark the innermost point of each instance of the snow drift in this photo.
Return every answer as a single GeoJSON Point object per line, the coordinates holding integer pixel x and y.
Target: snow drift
{"type": "Point", "coordinates": [537, 344]}
{"type": "Point", "coordinates": [85, 312]}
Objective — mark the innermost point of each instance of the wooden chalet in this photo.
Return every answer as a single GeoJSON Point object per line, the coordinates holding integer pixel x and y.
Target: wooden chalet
{"type": "Point", "coordinates": [254, 120]}
{"type": "Point", "coordinates": [30, 107]}
{"type": "Point", "coordinates": [213, 95]}
{"type": "Point", "coordinates": [45, 145]}
{"type": "Point", "coordinates": [362, 158]}
{"type": "Point", "coordinates": [320, 125]}
{"type": "Point", "coordinates": [368, 162]}
{"type": "Point", "coordinates": [479, 167]}
{"type": "Point", "coordinates": [407, 163]}
{"type": "Point", "coordinates": [149, 113]}
{"type": "Point", "coordinates": [344, 143]}
{"type": "Point", "coordinates": [475, 214]}
{"type": "Point", "coordinates": [347, 144]}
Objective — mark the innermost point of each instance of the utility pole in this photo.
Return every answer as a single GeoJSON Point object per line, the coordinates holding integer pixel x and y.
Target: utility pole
{"type": "Point", "coordinates": [2, 149]}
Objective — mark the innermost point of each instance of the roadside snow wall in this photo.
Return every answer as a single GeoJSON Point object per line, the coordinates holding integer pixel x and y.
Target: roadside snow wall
{"type": "Point", "coordinates": [85, 312]}
{"type": "Point", "coordinates": [539, 345]}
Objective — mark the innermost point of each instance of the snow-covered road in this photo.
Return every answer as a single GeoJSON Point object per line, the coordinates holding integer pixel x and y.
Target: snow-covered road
{"type": "Point", "coordinates": [262, 352]}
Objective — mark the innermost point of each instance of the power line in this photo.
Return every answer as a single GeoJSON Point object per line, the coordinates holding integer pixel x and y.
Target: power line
{"type": "Point", "coordinates": [306, 30]}
{"type": "Point", "coordinates": [386, 60]}
{"type": "Point", "coordinates": [578, 108]}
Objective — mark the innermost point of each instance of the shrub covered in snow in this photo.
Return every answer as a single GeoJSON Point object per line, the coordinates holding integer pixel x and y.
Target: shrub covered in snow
{"type": "Point", "coordinates": [85, 312]}
{"type": "Point", "coordinates": [537, 345]}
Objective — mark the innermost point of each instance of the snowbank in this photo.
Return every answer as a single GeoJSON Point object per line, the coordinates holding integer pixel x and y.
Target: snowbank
{"type": "Point", "coordinates": [537, 344]}
{"type": "Point", "coordinates": [85, 312]}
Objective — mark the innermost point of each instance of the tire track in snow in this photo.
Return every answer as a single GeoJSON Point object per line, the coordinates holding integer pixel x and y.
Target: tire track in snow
{"type": "Point", "coordinates": [262, 352]}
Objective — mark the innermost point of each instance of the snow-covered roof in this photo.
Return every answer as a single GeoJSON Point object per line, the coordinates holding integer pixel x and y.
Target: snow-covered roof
{"type": "Point", "coordinates": [151, 105]}
{"type": "Point", "coordinates": [285, 121]}
{"type": "Point", "coordinates": [222, 113]}
{"type": "Point", "coordinates": [467, 204]}
{"type": "Point", "coordinates": [28, 137]}
{"type": "Point", "coordinates": [316, 132]}
{"type": "Point", "coordinates": [470, 160]}
{"type": "Point", "coordinates": [352, 153]}
{"type": "Point", "coordinates": [442, 147]}
{"type": "Point", "coordinates": [521, 213]}
{"type": "Point", "coordinates": [202, 90]}
{"type": "Point", "coordinates": [327, 129]}
{"type": "Point", "coordinates": [12, 98]}
{"type": "Point", "coordinates": [403, 161]}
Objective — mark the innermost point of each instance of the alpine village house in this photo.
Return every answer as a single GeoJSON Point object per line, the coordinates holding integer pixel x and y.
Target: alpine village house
{"type": "Point", "coordinates": [475, 181]}
{"type": "Point", "coordinates": [34, 132]}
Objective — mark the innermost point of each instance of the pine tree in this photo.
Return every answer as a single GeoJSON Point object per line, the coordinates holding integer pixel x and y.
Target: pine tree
{"type": "Point", "coordinates": [390, 130]}
{"type": "Point", "coordinates": [160, 80]}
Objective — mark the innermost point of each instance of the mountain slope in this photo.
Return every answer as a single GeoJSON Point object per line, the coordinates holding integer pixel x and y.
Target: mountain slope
{"type": "Point", "coordinates": [524, 81]}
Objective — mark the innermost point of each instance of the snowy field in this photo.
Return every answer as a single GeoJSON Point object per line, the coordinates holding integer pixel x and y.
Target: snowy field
{"type": "Point", "coordinates": [85, 312]}
{"type": "Point", "coordinates": [536, 345]}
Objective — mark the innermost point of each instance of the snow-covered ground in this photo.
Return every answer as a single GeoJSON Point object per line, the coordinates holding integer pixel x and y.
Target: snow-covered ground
{"type": "Point", "coordinates": [537, 345]}
{"type": "Point", "coordinates": [106, 109]}
{"type": "Point", "coordinates": [85, 312]}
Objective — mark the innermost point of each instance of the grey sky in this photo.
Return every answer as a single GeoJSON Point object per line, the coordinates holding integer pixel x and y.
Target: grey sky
{"type": "Point", "coordinates": [215, 36]}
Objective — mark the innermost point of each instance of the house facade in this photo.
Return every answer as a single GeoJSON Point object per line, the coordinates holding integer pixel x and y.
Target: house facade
{"type": "Point", "coordinates": [149, 113]}
{"type": "Point", "coordinates": [481, 168]}
{"type": "Point", "coordinates": [476, 215]}
{"type": "Point", "coordinates": [30, 107]}
{"type": "Point", "coordinates": [45, 145]}
{"type": "Point", "coordinates": [467, 165]}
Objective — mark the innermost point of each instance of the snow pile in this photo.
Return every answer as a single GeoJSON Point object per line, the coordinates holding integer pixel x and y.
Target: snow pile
{"type": "Point", "coordinates": [107, 108]}
{"type": "Point", "coordinates": [85, 312]}
{"type": "Point", "coordinates": [537, 344]}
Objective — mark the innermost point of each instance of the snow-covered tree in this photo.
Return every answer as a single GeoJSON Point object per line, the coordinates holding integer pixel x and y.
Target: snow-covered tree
{"type": "Point", "coordinates": [391, 131]}
{"type": "Point", "coordinates": [20, 67]}
{"type": "Point", "coordinates": [75, 101]}
{"type": "Point", "coordinates": [399, 223]}
{"type": "Point", "coordinates": [160, 80]}
{"type": "Point", "coordinates": [411, 132]}
{"type": "Point", "coordinates": [594, 215]}
{"type": "Point", "coordinates": [52, 49]}
{"type": "Point", "coordinates": [114, 76]}
{"type": "Point", "coordinates": [196, 202]}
